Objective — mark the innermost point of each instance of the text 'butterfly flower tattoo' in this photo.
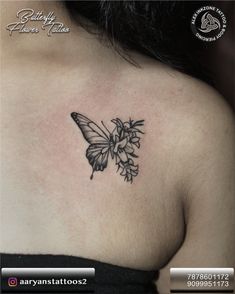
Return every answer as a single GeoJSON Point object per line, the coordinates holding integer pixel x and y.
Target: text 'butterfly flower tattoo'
{"type": "Point", "coordinates": [121, 144]}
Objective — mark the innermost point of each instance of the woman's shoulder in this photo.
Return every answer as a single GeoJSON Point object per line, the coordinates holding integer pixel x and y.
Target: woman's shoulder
{"type": "Point", "coordinates": [188, 119]}
{"type": "Point", "coordinates": [180, 95]}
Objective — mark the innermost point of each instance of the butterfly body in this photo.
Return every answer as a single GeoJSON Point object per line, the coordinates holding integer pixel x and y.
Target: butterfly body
{"type": "Point", "coordinates": [119, 144]}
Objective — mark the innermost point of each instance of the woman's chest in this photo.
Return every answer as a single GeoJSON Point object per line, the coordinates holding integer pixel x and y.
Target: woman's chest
{"type": "Point", "coordinates": [50, 204]}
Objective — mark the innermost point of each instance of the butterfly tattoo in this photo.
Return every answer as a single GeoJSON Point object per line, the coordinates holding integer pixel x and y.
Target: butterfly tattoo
{"type": "Point", "coordinates": [120, 144]}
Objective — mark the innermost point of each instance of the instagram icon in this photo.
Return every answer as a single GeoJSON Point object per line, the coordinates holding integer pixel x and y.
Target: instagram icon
{"type": "Point", "coordinates": [12, 282]}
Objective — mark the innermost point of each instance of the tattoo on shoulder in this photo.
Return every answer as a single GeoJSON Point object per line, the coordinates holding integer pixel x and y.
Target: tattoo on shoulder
{"type": "Point", "coordinates": [120, 143]}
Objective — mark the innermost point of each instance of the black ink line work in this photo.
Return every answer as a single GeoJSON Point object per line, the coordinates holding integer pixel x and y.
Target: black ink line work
{"type": "Point", "coordinates": [120, 144]}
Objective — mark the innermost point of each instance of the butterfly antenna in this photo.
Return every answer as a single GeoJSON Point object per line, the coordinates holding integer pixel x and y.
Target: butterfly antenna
{"type": "Point", "coordinates": [105, 127]}
{"type": "Point", "coordinates": [91, 177]}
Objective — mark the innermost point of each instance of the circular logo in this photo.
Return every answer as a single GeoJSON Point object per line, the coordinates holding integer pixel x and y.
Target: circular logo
{"type": "Point", "coordinates": [208, 23]}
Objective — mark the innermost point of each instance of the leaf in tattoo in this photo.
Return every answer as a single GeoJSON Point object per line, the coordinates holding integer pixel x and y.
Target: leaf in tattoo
{"type": "Point", "coordinates": [121, 144]}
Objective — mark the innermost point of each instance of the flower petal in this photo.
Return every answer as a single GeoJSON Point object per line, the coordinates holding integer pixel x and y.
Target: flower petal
{"type": "Point", "coordinates": [135, 140]}
{"type": "Point", "coordinates": [128, 148]}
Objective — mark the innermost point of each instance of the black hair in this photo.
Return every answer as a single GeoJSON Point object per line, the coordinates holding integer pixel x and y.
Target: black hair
{"type": "Point", "coordinates": [158, 29]}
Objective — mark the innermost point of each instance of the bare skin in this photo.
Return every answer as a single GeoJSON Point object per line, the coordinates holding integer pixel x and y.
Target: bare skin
{"type": "Point", "coordinates": [179, 212]}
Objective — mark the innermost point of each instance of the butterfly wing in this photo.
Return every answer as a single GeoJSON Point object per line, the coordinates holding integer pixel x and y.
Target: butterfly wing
{"type": "Point", "coordinates": [97, 155]}
{"type": "Point", "coordinates": [91, 132]}
{"type": "Point", "coordinates": [98, 151]}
